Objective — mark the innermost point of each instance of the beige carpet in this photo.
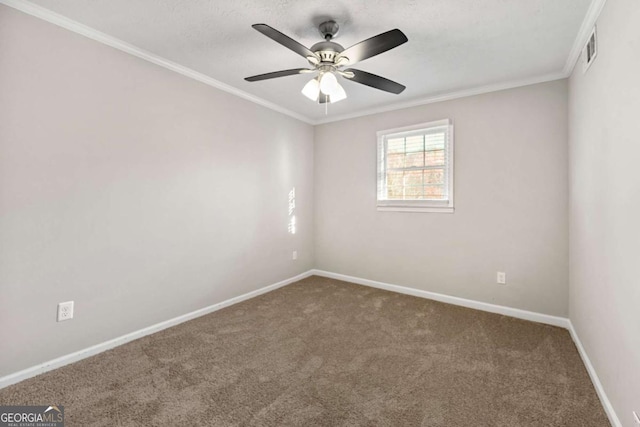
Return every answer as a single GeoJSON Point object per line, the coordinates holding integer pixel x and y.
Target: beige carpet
{"type": "Point", "coordinates": [330, 353]}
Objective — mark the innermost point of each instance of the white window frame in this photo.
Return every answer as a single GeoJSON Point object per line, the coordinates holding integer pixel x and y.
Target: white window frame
{"type": "Point", "coordinates": [441, 206]}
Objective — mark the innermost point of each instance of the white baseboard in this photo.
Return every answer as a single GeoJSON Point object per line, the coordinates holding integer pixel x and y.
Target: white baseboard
{"type": "Point", "coordinates": [608, 407]}
{"type": "Point", "coordinates": [483, 306]}
{"type": "Point", "coordinates": [492, 308]}
{"type": "Point", "coordinates": [478, 305]}
{"type": "Point", "coordinates": [99, 348]}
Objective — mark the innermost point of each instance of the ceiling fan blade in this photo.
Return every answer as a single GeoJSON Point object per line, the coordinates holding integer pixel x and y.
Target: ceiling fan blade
{"type": "Point", "coordinates": [284, 40]}
{"type": "Point", "coordinates": [374, 46]}
{"type": "Point", "coordinates": [275, 74]}
{"type": "Point", "coordinates": [375, 81]}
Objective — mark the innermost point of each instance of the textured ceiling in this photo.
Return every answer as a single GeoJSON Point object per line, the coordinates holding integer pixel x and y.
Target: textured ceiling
{"type": "Point", "coordinates": [454, 45]}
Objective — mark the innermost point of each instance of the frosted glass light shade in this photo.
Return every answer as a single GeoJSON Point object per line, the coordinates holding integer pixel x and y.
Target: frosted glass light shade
{"type": "Point", "coordinates": [338, 94]}
{"type": "Point", "coordinates": [312, 89]}
{"type": "Point", "coordinates": [328, 83]}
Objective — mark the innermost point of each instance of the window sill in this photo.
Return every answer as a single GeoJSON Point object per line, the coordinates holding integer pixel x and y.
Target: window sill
{"type": "Point", "coordinates": [425, 209]}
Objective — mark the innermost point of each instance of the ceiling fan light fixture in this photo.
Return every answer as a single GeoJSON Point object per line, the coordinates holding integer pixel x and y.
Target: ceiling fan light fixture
{"type": "Point", "coordinates": [312, 89]}
{"type": "Point", "coordinates": [328, 83]}
{"type": "Point", "coordinates": [327, 58]}
{"type": "Point", "coordinates": [338, 94]}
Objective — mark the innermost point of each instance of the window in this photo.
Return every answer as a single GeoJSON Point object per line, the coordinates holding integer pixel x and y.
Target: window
{"type": "Point", "coordinates": [415, 168]}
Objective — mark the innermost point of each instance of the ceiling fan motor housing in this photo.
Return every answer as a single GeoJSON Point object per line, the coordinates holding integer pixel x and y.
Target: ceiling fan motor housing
{"type": "Point", "coordinates": [327, 50]}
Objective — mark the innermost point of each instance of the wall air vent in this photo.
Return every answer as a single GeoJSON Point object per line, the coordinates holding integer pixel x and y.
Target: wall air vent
{"type": "Point", "coordinates": [590, 51]}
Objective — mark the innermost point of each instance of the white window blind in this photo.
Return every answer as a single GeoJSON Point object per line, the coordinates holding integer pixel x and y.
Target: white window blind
{"type": "Point", "coordinates": [415, 168]}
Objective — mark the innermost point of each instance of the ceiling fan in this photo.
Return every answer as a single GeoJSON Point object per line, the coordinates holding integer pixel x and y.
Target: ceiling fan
{"type": "Point", "coordinates": [328, 59]}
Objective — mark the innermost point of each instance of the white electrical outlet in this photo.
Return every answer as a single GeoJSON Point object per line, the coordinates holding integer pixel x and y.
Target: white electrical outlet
{"type": "Point", "coordinates": [636, 417]}
{"type": "Point", "coordinates": [65, 311]}
{"type": "Point", "coordinates": [501, 278]}
{"type": "Point", "coordinates": [294, 255]}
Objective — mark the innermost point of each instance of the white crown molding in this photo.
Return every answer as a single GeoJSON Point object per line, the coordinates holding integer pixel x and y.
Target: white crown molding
{"type": "Point", "coordinates": [595, 8]}
{"type": "Point", "coordinates": [107, 345]}
{"type": "Point", "coordinates": [547, 319]}
{"type": "Point", "coordinates": [606, 403]}
{"type": "Point", "coordinates": [479, 90]}
{"type": "Point", "coordinates": [76, 27]}
{"type": "Point", "coordinates": [40, 12]}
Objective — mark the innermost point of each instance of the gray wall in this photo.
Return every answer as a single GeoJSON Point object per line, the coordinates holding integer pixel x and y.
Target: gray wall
{"type": "Point", "coordinates": [143, 195]}
{"type": "Point", "coordinates": [604, 126]}
{"type": "Point", "coordinates": [137, 192]}
{"type": "Point", "coordinates": [511, 210]}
